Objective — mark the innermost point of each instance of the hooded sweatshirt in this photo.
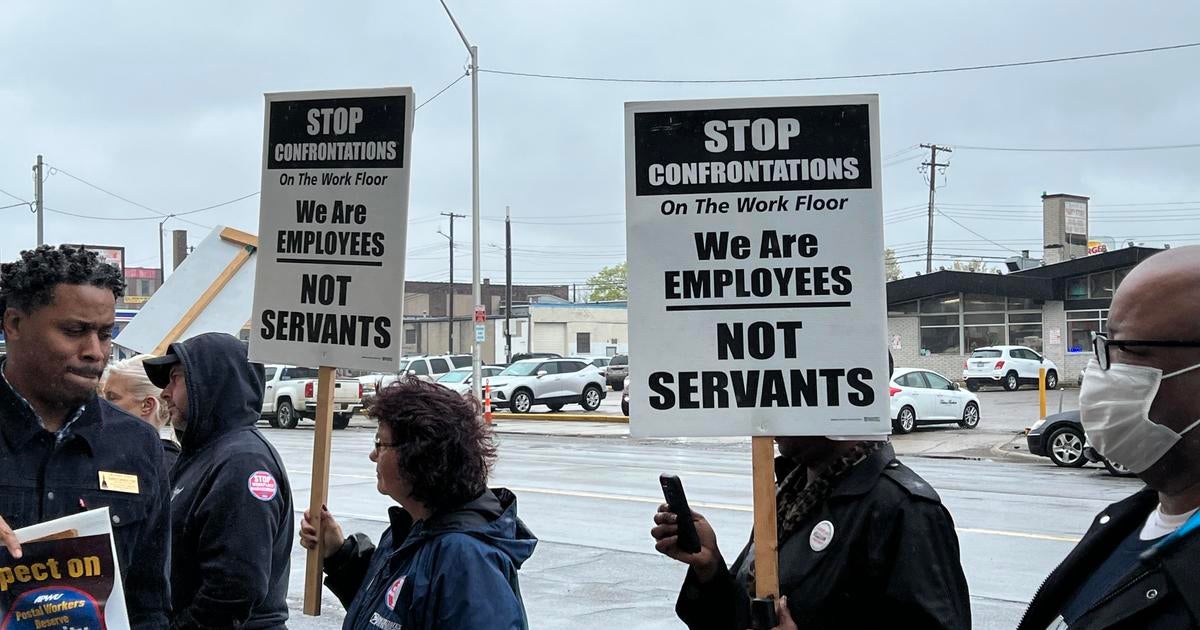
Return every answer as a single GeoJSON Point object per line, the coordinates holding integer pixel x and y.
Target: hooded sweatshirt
{"type": "Point", "coordinates": [458, 569]}
{"type": "Point", "coordinates": [231, 505]}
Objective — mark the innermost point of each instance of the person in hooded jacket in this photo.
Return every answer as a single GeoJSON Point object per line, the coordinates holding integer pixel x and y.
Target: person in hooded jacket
{"type": "Point", "coordinates": [231, 506]}
{"type": "Point", "coordinates": [451, 555]}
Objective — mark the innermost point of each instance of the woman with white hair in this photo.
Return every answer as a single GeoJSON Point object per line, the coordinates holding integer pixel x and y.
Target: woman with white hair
{"type": "Point", "coordinates": [126, 385]}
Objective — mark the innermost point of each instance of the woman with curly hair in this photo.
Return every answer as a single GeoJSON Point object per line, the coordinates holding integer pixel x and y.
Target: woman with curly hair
{"type": "Point", "coordinates": [451, 555]}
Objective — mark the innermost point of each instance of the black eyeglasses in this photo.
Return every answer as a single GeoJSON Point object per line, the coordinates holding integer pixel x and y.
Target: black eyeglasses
{"type": "Point", "coordinates": [380, 445]}
{"type": "Point", "coordinates": [1101, 344]}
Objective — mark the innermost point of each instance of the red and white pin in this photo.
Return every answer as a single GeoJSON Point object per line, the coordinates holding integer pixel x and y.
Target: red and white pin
{"type": "Point", "coordinates": [262, 485]}
{"type": "Point", "coordinates": [821, 536]}
{"type": "Point", "coordinates": [393, 592]}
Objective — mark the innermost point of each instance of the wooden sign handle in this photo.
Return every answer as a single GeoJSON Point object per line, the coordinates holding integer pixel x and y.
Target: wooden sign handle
{"type": "Point", "coordinates": [319, 490]}
{"type": "Point", "coordinates": [766, 539]}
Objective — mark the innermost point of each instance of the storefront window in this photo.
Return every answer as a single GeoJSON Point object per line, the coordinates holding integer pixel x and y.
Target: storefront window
{"type": "Point", "coordinates": [1118, 276]}
{"type": "Point", "coordinates": [1101, 286]}
{"type": "Point", "coordinates": [1080, 326]}
{"type": "Point", "coordinates": [1029, 335]}
{"type": "Point", "coordinates": [982, 336]}
{"type": "Point", "coordinates": [942, 304]}
{"type": "Point", "coordinates": [904, 308]}
{"type": "Point", "coordinates": [1022, 304]}
{"type": "Point", "coordinates": [940, 340]}
{"type": "Point", "coordinates": [978, 303]}
{"type": "Point", "coordinates": [1077, 289]}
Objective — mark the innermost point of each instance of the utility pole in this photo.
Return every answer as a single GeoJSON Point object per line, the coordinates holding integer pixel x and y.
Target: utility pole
{"type": "Point", "coordinates": [37, 198]}
{"type": "Point", "coordinates": [507, 285]}
{"type": "Point", "coordinates": [933, 167]}
{"type": "Point", "coordinates": [476, 292]}
{"type": "Point", "coordinates": [162, 265]}
{"type": "Point", "coordinates": [451, 307]}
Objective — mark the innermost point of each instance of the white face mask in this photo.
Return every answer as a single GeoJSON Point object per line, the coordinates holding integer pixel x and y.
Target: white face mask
{"type": "Point", "coordinates": [1114, 407]}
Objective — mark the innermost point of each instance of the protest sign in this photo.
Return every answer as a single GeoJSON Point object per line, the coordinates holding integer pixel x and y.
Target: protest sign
{"type": "Point", "coordinates": [329, 281]}
{"type": "Point", "coordinates": [756, 279]}
{"type": "Point", "coordinates": [67, 577]}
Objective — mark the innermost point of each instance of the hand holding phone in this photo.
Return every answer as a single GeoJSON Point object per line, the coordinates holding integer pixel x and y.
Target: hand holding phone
{"type": "Point", "coordinates": [672, 488]}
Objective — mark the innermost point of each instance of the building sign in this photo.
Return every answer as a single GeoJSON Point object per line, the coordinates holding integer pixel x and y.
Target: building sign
{"type": "Point", "coordinates": [1075, 217]}
{"type": "Point", "coordinates": [108, 254]}
{"type": "Point", "coordinates": [334, 210]}
{"type": "Point", "coordinates": [755, 239]}
{"type": "Point", "coordinates": [1096, 247]}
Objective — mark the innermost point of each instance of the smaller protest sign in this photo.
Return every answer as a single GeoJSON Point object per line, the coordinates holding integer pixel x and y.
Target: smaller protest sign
{"type": "Point", "coordinates": [67, 577]}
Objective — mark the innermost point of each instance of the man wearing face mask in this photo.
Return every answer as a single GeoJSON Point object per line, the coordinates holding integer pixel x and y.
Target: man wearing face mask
{"type": "Point", "coordinates": [1139, 564]}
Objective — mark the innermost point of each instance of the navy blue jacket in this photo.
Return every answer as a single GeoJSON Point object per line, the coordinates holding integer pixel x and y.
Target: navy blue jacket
{"type": "Point", "coordinates": [231, 506]}
{"type": "Point", "coordinates": [41, 480]}
{"type": "Point", "coordinates": [456, 570]}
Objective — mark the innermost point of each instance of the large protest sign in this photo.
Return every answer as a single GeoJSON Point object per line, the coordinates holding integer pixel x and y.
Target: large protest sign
{"type": "Point", "coordinates": [334, 208]}
{"type": "Point", "coordinates": [756, 277]}
{"type": "Point", "coordinates": [67, 577]}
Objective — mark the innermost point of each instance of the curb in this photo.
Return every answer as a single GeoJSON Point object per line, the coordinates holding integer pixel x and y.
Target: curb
{"type": "Point", "coordinates": [567, 417]}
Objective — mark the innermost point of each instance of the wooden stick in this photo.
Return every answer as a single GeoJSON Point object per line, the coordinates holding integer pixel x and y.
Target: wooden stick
{"type": "Point", "coordinates": [766, 539]}
{"type": "Point", "coordinates": [320, 487]}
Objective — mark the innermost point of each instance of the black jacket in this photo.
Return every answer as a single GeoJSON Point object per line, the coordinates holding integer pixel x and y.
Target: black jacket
{"type": "Point", "coordinates": [231, 505]}
{"type": "Point", "coordinates": [41, 480]}
{"type": "Point", "coordinates": [892, 561]}
{"type": "Point", "coordinates": [456, 570]}
{"type": "Point", "coordinates": [1162, 592]}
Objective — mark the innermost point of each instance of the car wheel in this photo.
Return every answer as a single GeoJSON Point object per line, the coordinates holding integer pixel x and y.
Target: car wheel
{"type": "Point", "coordinates": [905, 420]}
{"type": "Point", "coordinates": [285, 417]}
{"type": "Point", "coordinates": [555, 407]}
{"type": "Point", "coordinates": [625, 407]}
{"type": "Point", "coordinates": [1051, 380]}
{"type": "Point", "coordinates": [970, 418]}
{"type": "Point", "coordinates": [1116, 469]}
{"type": "Point", "coordinates": [522, 402]}
{"type": "Point", "coordinates": [972, 385]}
{"type": "Point", "coordinates": [591, 398]}
{"type": "Point", "coordinates": [341, 420]}
{"type": "Point", "coordinates": [1012, 382]}
{"type": "Point", "coordinates": [1065, 448]}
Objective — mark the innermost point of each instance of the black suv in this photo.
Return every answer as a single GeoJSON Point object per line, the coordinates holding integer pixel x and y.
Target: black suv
{"type": "Point", "coordinates": [618, 369]}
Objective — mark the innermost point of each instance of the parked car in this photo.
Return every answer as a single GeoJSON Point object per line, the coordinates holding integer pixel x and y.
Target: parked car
{"type": "Point", "coordinates": [550, 382]}
{"type": "Point", "coordinates": [291, 394]}
{"type": "Point", "coordinates": [459, 379]}
{"type": "Point", "coordinates": [625, 397]}
{"type": "Point", "coordinates": [427, 369]}
{"type": "Point", "coordinates": [618, 369]}
{"type": "Point", "coordinates": [926, 397]}
{"type": "Point", "coordinates": [1060, 437]}
{"type": "Point", "coordinates": [601, 363]}
{"type": "Point", "coordinates": [1007, 366]}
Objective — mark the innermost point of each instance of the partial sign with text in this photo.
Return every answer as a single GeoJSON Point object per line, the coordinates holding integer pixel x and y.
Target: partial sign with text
{"type": "Point", "coordinates": [334, 211]}
{"type": "Point", "coordinates": [756, 276]}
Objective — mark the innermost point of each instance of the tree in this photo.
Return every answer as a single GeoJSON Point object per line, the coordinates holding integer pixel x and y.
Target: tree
{"type": "Point", "coordinates": [977, 266]}
{"type": "Point", "coordinates": [610, 283]}
{"type": "Point", "coordinates": [891, 265]}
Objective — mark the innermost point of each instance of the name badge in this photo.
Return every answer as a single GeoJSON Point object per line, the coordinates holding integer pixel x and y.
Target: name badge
{"type": "Point", "coordinates": [118, 482]}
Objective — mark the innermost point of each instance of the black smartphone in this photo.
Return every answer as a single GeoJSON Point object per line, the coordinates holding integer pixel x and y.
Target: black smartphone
{"type": "Point", "coordinates": [672, 489]}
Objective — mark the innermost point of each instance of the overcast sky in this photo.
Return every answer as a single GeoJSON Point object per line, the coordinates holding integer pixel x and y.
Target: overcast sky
{"type": "Point", "coordinates": [162, 104]}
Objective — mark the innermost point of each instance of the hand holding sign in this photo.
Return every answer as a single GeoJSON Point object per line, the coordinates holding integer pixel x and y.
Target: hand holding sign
{"type": "Point", "coordinates": [8, 538]}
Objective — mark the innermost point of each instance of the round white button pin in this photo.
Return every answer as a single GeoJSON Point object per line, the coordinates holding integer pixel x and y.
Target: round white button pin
{"type": "Point", "coordinates": [821, 536]}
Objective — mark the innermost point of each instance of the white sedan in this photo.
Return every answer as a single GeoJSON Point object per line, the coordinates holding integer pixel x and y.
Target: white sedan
{"type": "Point", "coordinates": [459, 379]}
{"type": "Point", "coordinates": [925, 397]}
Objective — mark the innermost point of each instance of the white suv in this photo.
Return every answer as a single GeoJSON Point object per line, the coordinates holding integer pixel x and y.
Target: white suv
{"type": "Point", "coordinates": [428, 369]}
{"type": "Point", "coordinates": [550, 382]}
{"type": "Point", "coordinates": [1008, 366]}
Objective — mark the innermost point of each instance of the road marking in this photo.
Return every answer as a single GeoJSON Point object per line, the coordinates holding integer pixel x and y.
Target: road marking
{"type": "Point", "coordinates": [583, 494]}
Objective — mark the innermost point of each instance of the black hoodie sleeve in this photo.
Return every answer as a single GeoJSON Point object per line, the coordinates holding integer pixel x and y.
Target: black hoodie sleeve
{"type": "Point", "coordinates": [233, 530]}
{"type": "Point", "coordinates": [346, 569]}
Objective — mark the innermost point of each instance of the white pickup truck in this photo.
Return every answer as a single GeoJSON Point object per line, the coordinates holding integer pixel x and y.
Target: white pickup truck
{"type": "Point", "coordinates": [291, 394]}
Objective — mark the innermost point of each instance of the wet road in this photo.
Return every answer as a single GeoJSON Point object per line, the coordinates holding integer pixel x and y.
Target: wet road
{"type": "Point", "coordinates": [590, 500]}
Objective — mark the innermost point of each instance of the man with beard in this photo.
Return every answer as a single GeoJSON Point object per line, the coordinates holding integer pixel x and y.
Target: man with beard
{"type": "Point", "coordinates": [62, 449]}
{"type": "Point", "coordinates": [231, 507]}
{"type": "Point", "coordinates": [1136, 567]}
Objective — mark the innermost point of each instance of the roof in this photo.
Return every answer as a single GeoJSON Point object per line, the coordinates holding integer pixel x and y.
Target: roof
{"type": "Point", "coordinates": [1125, 257]}
{"type": "Point", "coordinates": [940, 282]}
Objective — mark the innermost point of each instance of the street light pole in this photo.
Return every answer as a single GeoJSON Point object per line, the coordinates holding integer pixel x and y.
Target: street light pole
{"type": "Point", "coordinates": [476, 293]}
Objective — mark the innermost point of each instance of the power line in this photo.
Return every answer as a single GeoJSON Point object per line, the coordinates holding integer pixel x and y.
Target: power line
{"type": "Point", "coordinates": [1160, 147]}
{"type": "Point", "coordinates": [952, 220]}
{"type": "Point", "coordinates": [14, 196]}
{"type": "Point", "coordinates": [869, 75]}
{"type": "Point", "coordinates": [450, 85]}
{"type": "Point", "coordinates": [160, 213]}
{"type": "Point", "coordinates": [23, 203]}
